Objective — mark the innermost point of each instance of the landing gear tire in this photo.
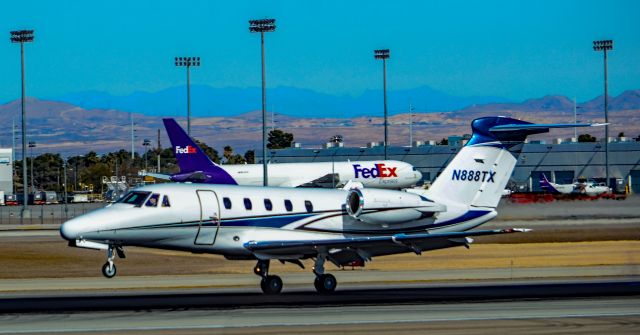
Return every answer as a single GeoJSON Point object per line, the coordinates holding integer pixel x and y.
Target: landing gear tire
{"type": "Point", "coordinates": [325, 283]}
{"type": "Point", "coordinates": [271, 285]}
{"type": "Point", "coordinates": [109, 270]}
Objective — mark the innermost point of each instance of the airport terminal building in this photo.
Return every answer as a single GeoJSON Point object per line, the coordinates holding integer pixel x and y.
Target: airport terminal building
{"type": "Point", "coordinates": [559, 162]}
{"type": "Point", "coordinates": [6, 170]}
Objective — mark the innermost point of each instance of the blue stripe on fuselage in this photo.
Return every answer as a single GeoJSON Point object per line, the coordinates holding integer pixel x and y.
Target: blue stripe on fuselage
{"type": "Point", "coordinates": [470, 215]}
{"type": "Point", "coordinates": [266, 222]}
{"type": "Point", "coordinates": [281, 221]}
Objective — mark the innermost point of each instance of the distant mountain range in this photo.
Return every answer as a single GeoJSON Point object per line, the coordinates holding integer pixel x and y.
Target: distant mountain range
{"type": "Point", "coordinates": [628, 100]}
{"type": "Point", "coordinates": [70, 129]}
{"type": "Point", "coordinates": [209, 101]}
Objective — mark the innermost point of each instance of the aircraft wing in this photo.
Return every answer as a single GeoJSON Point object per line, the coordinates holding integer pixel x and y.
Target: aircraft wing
{"type": "Point", "coordinates": [326, 181]}
{"type": "Point", "coordinates": [158, 176]}
{"type": "Point", "coordinates": [345, 250]}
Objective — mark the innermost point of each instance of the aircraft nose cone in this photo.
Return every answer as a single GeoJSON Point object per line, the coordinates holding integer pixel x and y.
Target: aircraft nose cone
{"type": "Point", "coordinates": [417, 175]}
{"type": "Point", "coordinates": [70, 230]}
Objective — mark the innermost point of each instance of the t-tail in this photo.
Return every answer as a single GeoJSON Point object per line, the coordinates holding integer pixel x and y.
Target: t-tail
{"type": "Point", "coordinates": [194, 165]}
{"type": "Point", "coordinates": [478, 174]}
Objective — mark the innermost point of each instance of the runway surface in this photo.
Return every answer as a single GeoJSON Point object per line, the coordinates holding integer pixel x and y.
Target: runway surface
{"type": "Point", "coordinates": [354, 295]}
{"type": "Point", "coordinates": [579, 307]}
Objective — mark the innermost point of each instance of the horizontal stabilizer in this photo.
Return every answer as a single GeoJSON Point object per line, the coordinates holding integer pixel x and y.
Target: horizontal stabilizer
{"type": "Point", "coordinates": [510, 127]}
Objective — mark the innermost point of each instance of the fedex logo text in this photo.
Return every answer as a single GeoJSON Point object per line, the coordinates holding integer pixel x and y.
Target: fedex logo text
{"type": "Point", "coordinates": [186, 150]}
{"type": "Point", "coordinates": [471, 175]}
{"type": "Point", "coordinates": [378, 171]}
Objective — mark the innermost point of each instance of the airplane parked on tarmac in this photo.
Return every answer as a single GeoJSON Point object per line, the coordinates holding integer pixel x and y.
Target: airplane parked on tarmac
{"type": "Point", "coordinates": [341, 226]}
{"type": "Point", "coordinates": [196, 167]}
{"type": "Point", "coordinates": [581, 186]}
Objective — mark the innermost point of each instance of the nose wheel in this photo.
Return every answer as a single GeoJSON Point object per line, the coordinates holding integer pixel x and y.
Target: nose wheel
{"type": "Point", "coordinates": [109, 269]}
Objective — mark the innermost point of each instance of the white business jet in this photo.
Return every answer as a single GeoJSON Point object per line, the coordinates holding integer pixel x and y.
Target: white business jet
{"type": "Point", "coordinates": [336, 225]}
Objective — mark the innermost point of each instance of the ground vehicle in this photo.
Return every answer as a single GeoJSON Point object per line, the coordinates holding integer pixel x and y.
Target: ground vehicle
{"type": "Point", "coordinates": [79, 197]}
{"type": "Point", "coordinates": [13, 199]}
{"type": "Point", "coordinates": [50, 197]}
{"type": "Point", "coordinates": [37, 198]}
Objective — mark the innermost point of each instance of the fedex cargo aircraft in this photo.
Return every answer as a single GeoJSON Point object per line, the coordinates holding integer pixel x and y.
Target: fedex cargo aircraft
{"type": "Point", "coordinates": [196, 167]}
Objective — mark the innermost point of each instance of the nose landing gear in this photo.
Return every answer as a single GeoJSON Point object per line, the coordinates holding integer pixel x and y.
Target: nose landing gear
{"type": "Point", "coordinates": [109, 268]}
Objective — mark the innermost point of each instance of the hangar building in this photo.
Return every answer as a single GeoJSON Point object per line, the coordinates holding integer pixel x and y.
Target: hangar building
{"type": "Point", "coordinates": [6, 170]}
{"type": "Point", "coordinates": [560, 162]}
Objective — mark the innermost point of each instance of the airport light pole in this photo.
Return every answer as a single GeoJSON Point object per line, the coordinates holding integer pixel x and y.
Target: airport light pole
{"type": "Point", "coordinates": [146, 143]}
{"type": "Point", "coordinates": [32, 144]}
{"type": "Point", "coordinates": [410, 125]}
{"type": "Point", "coordinates": [133, 130]}
{"type": "Point", "coordinates": [13, 153]}
{"type": "Point", "coordinates": [604, 46]}
{"type": "Point", "coordinates": [384, 55]}
{"type": "Point", "coordinates": [22, 37]}
{"type": "Point", "coordinates": [188, 62]}
{"type": "Point", "coordinates": [263, 26]}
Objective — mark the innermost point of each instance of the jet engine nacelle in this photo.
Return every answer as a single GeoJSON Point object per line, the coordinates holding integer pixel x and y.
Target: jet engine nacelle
{"type": "Point", "coordinates": [388, 207]}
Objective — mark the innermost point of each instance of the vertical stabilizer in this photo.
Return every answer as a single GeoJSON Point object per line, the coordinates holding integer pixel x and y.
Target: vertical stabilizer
{"type": "Point", "coordinates": [192, 159]}
{"type": "Point", "coordinates": [478, 174]}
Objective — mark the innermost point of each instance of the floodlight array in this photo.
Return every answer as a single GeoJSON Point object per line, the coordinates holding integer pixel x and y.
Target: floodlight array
{"type": "Point", "coordinates": [22, 36]}
{"type": "Point", "coordinates": [602, 45]}
{"type": "Point", "coordinates": [381, 54]}
{"type": "Point", "coordinates": [187, 61]}
{"type": "Point", "coordinates": [262, 25]}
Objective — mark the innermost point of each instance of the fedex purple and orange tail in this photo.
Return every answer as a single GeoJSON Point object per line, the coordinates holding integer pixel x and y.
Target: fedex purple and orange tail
{"type": "Point", "coordinates": [194, 165]}
{"type": "Point", "coordinates": [546, 185]}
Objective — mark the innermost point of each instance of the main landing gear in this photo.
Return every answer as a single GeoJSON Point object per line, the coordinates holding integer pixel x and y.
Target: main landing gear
{"type": "Point", "coordinates": [324, 282]}
{"type": "Point", "coordinates": [270, 284]}
{"type": "Point", "coordinates": [109, 268]}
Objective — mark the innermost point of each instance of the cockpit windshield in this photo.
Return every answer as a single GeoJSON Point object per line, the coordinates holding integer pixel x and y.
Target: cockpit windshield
{"type": "Point", "coordinates": [135, 198]}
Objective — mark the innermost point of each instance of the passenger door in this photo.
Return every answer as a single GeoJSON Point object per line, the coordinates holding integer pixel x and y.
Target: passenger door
{"type": "Point", "coordinates": [209, 217]}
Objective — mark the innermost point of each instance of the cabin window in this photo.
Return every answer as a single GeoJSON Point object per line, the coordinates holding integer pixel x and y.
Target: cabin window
{"type": "Point", "coordinates": [153, 200]}
{"type": "Point", "coordinates": [136, 198]}
{"type": "Point", "coordinates": [165, 201]}
{"type": "Point", "coordinates": [268, 205]}
{"type": "Point", "coordinates": [247, 204]}
{"type": "Point", "coordinates": [227, 202]}
{"type": "Point", "coordinates": [288, 206]}
{"type": "Point", "coordinates": [308, 205]}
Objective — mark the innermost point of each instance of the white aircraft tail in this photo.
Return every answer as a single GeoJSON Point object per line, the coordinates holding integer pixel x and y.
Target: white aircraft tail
{"type": "Point", "coordinates": [480, 171]}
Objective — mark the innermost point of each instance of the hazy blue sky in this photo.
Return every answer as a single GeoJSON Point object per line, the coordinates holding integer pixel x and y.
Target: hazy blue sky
{"type": "Point", "coordinates": [511, 49]}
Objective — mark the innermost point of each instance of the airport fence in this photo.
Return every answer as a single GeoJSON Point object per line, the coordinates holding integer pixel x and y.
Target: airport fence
{"type": "Point", "coordinates": [45, 214]}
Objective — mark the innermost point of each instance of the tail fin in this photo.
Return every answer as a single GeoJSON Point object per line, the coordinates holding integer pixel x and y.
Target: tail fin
{"type": "Point", "coordinates": [546, 184]}
{"type": "Point", "coordinates": [192, 159]}
{"type": "Point", "coordinates": [478, 174]}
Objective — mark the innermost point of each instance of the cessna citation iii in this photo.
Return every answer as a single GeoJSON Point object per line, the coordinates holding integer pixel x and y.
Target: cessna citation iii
{"type": "Point", "coordinates": [341, 226]}
{"type": "Point", "coordinates": [196, 167]}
